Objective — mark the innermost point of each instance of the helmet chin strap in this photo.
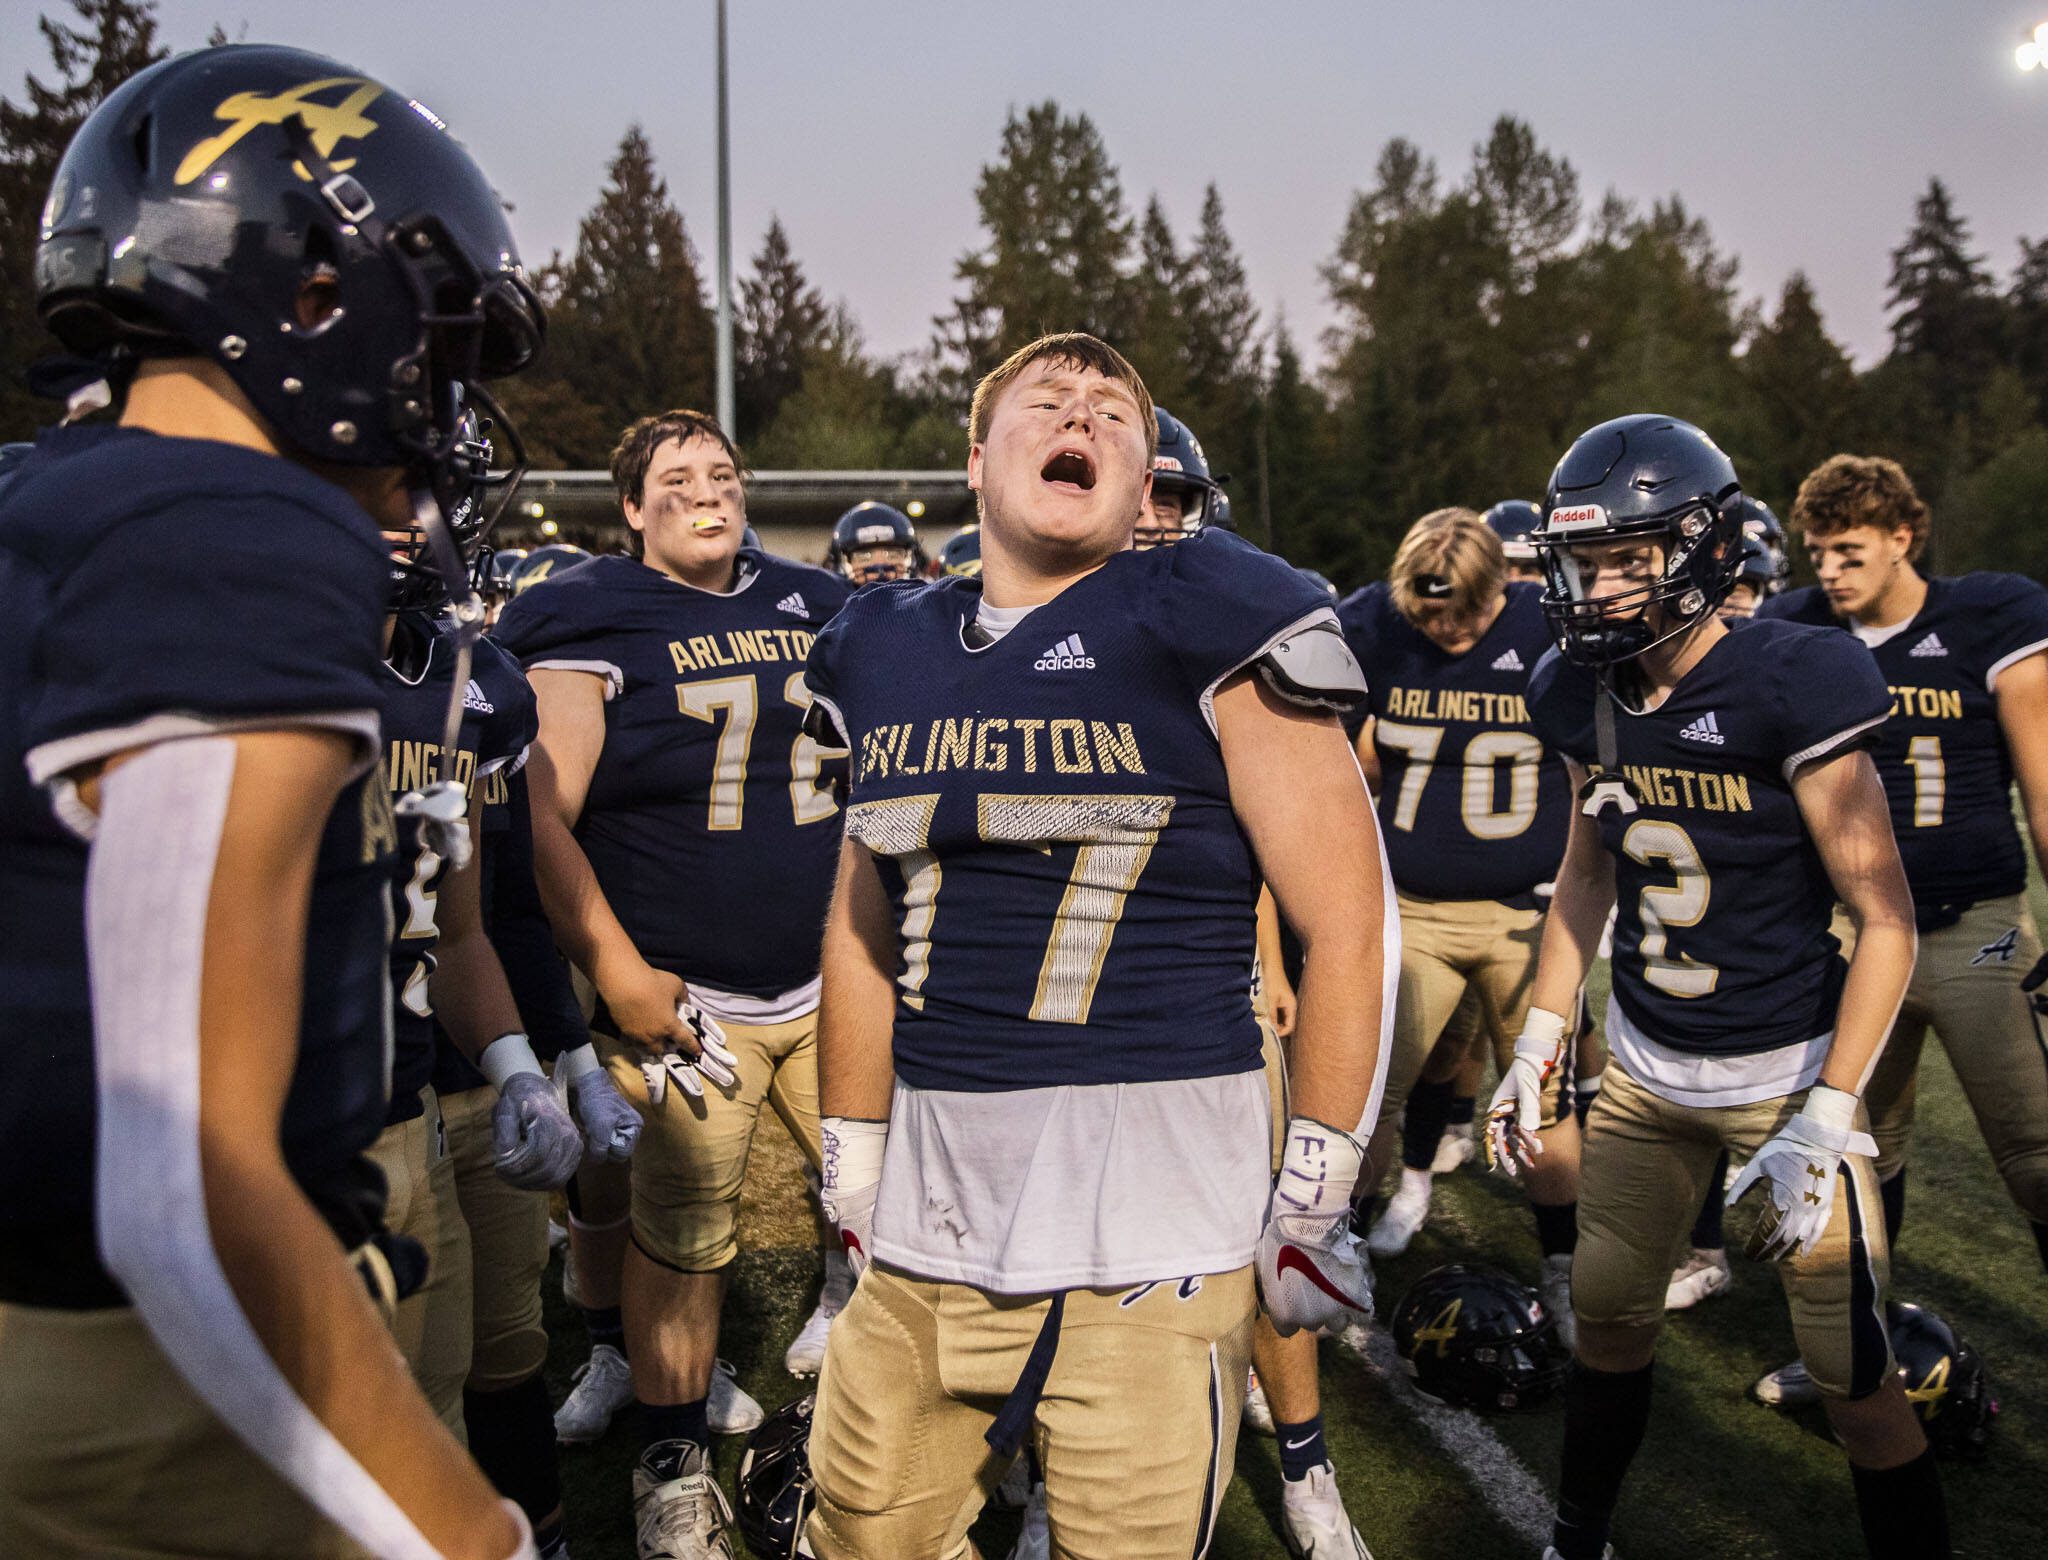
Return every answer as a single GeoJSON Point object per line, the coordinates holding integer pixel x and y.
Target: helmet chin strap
{"type": "Point", "coordinates": [1608, 785]}
{"type": "Point", "coordinates": [443, 807]}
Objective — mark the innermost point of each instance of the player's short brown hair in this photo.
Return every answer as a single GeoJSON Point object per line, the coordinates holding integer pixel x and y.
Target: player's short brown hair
{"type": "Point", "coordinates": [1449, 555]}
{"type": "Point", "coordinates": [634, 452]}
{"type": "Point", "coordinates": [1075, 349]}
{"type": "Point", "coordinates": [1846, 491]}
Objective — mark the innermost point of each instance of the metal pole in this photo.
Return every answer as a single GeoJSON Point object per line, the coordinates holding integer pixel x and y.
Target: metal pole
{"type": "Point", "coordinates": [725, 362]}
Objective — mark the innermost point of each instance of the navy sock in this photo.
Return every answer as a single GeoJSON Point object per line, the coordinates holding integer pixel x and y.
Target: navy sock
{"type": "Point", "coordinates": [1706, 1229]}
{"type": "Point", "coordinates": [1605, 1415]}
{"type": "Point", "coordinates": [605, 1325]}
{"type": "Point", "coordinates": [1901, 1509]}
{"type": "Point", "coordinates": [2041, 1240]}
{"type": "Point", "coordinates": [1557, 1227]}
{"type": "Point", "coordinates": [675, 1422]}
{"type": "Point", "coordinates": [1460, 1113]}
{"type": "Point", "coordinates": [512, 1438]}
{"type": "Point", "coordinates": [1892, 1194]}
{"type": "Point", "coordinates": [1302, 1449]}
{"type": "Point", "coordinates": [1422, 1128]}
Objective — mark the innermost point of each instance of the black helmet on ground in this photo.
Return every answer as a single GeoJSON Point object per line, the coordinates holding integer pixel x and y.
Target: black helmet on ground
{"type": "Point", "coordinates": [774, 1482]}
{"type": "Point", "coordinates": [1944, 1378]}
{"type": "Point", "coordinates": [1475, 1338]}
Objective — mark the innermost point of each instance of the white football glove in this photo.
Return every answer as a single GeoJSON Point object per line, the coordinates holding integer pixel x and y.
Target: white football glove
{"type": "Point", "coordinates": [1312, 1270]}
{"type": "Point", "coordinates": [851, 1177]}
{"type": "Point", "coordinates": [1517, 1110]}
{"type": "Point", "coordinates": [1799, 1168]}
{"type": "Point", "coordinates": [712, 1060]}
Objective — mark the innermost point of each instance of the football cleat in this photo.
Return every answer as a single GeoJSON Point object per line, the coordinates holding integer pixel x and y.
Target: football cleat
{"type": "Point", "coordinates": [679, 1512]}
{"type": "Point", "coordinates": [1789, 1386]}
{"type": "Point", "coordinates": [603, 1384]}
{"type": "Point", "coordinates": [730, 1410]}
{"type": "Point", "coordinates": [1551, 1554]}
{"type": "Point", "coordinates": [806, 1356]}
{"type": "Point", "coordinates": [1454, 1150]}
{"type": "Point", "coordinates": [1034, 1538]}
{"type": "Point", "coordinates": [1313, 1521]}
{"type": "Point", "coordinates": [1403, 1216]}
{"type": "Point", "coordinates": [1555, 1288]}
{"type": "Point", "coordinates": [1258, 1413]}
{"type": "Point", "coordinates": [1702, 1275]}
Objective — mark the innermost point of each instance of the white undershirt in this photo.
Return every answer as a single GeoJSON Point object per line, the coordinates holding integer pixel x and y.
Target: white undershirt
{"type": "Point", "coordinates": [1873, 637]}
{"type": "Point", "coordinates": [1688, 1078]}
{"type": "Point", "coordinates": [998, 621]}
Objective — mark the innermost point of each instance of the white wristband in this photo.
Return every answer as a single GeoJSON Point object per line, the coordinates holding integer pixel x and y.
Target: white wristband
{"type": "Point", "coordinates": [526, 1549]}
{"type": "Point", "coordinates": [507, 1057]}
{"type": "Point", "coordinates": [574, 1066]}
{"type": "Point", "coordinates": [1319, 1170]}
{"type": "Point", "coordinates": [853, 1152]}
{"type": "Point", "coordinates": [1542, 1035]}
{"type": "Point", "coordinates": [1834, 1109]}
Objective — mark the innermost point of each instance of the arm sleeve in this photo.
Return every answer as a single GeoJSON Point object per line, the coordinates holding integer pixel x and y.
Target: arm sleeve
{"type": "Point", "coordinates": [209, 616]}
{"type": "Point", "coordinates": [2014, 623]}
{"type": "Point", "coordinates": [1831, 696]}
{"type": "Point", "coordinates": [535, 970]}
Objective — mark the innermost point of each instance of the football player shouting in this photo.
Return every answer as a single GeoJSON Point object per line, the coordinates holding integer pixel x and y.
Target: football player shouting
{"type": "Point", "coordinates": [1966, 659]}
{"type": "Point", "coordinates": [1047, 1131]}
{"type": "Point", "coordinates": [685, 850]}
{"type": "Point", "coordinates": [1474, 809]}
{"type": "Point", "coordinates": [1726, 804]}
{"type": "Point", "coordinates": [194, 837]}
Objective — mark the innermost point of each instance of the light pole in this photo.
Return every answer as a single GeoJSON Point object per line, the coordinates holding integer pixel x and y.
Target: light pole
{"type": "Point", "coordinates": [725, 365]}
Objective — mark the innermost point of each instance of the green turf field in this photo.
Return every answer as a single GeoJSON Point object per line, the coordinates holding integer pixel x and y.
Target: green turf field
{"type": "Point", "coordinates": [1717, 1477]}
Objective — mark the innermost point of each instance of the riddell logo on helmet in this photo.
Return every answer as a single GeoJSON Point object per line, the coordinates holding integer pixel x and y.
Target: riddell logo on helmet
{"type": "Point", "coordinates": [1578, 517]}
{"type": "Point", "coordinates": [1166, 463]}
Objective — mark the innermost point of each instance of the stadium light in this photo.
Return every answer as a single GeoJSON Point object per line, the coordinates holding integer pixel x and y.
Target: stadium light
{"type": "Point", "coordinates": [535, 510]}
{"type": "Point", "coordinates": [549, 528]}
{"type": "Point", "coordinates": [915, 509]}
{"type": "Point", "coordinates": [2033, 54]}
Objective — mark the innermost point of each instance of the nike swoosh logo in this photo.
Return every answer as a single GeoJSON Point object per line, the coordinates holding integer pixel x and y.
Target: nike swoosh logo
{"type": "Point", "coordinates": [1294, 1257]}
{"type": "Point", "coordinates": [1295, 1446]}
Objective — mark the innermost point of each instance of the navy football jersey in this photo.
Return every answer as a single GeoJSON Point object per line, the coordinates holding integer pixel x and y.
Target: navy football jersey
{"type": "Point", "coordinates": [710, 821]}
{"type": "Point", "coordinates": [415, 681]}
{"type": "Point", "coordinates": [1721, 941]}
{"type": "Point", "coordinates": [155, 587]}
{"type": "Point", "coordinates": [1942, 755]}
{"type": "Point", "coordinates": [1052, 820]}
{"type": "Point", "coordinates": [1471, 804]}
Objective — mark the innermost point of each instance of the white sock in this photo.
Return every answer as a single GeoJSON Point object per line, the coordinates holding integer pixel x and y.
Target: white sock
{"type": "Point", "coordinates": [1416, 1180]}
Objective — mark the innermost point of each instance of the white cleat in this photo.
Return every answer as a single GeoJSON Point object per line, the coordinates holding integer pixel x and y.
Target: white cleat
{"type": "Point", "coordinates": [1034, 1538]}
{"type": "Point", "coordinates": [603, 1386]}
{"type": "Point", "coordinates": [1402, 1217]}
{"type": "Point", "coordinates": [806, 1356]}
{"type": "Point", "coordinates": [1701, 1276]}
{"type": "Point", "coordinates": [730, 1411]}
{"type": "Point", "coordinates": [1555, 1289]}
{"type": "Point", "coordinates": [1258, 1413]}
{"type": "Point", "coordinates": [1552, 1554]}
{"type": "Point", "coordinates": [1789, 1386]}
{"type": "Point", "coordinates": [679, 1512]}
{"type": "Point", "coordinates": [1457, 1148]}
{"type": "Point", "coordinates": [1313, 1520]}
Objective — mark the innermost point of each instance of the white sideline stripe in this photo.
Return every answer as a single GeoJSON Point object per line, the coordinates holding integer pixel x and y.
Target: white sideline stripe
{"type": "Point", "coordinates": [1510, 1490]}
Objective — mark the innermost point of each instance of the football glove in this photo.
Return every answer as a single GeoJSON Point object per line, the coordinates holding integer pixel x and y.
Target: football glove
{"type": "Point", "coordinates": [1312, 1270]}
{"type": "Point", "coordinates": [611, 1126]}
{"type": "Point", "coordinates": [534, 1141]}
{"type": "Point", "coordinates": [852, 1176]}
{"type": "Point", "coordinates": [1517, 1110]}
{"type": "Point", "coordinates": [1798, 1168]}
{"type": "Point", "coordinates": [712, 1060]}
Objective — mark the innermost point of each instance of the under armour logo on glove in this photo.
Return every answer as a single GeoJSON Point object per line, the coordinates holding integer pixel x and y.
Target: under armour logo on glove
{"type": "Point", "coordinates": [1798, 1169]}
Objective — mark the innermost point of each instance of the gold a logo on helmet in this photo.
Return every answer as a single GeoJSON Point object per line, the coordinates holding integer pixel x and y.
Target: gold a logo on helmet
{"type": "Point", "coordinates": [331, 123]}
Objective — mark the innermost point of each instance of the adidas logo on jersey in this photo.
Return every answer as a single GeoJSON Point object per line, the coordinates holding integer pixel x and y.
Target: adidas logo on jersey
{"type": "Point", "coordinates": [1066, 656]}
{"type": "Point", "coordinates": [1931, 645]}
{"type": "Point", "coordinates": [1509, 662]}
{"type": "Point", "coordinates": [473, 699]}
{"type": "Point", "coordinates": [1705, 729]}
{"type": "Point", "coordinates": [794, 604]}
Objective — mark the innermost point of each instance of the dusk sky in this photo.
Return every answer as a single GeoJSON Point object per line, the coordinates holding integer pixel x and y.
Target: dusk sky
{"type": "Point", "coordinates": [1802, 131]}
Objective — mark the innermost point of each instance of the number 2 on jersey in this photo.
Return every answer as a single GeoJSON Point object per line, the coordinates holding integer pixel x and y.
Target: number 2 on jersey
{"type": "Point", "coordinates": [1113, 836]}
{"type": "Point", "coordinates": [1648, 841]}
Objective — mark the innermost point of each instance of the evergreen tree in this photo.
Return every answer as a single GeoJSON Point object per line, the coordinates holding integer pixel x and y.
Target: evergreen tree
{"type": "Point", "coordinates": [629, 329]}
{"type": "Point", "coordinates": [1158, 340]}
{"type": "Point", "coordinates": [1292, 519]}
{"type": "Point", "coordinates": [1945, 312]}
{"type": "Point", "coordinates": [1530, 196]}
{"type": "Point", "coordinates": [1057, 250]}
{"type": "Point", "coordinates": [109, 41]}
{"type": "Point", "coordinates": [782, 320]}
{"type": "Point", "coordinates": [2027, 317]}
{"type": "Point", "coordinates": [1221, 319]}
{"type": "Point", "coordinates": [1806, 393]}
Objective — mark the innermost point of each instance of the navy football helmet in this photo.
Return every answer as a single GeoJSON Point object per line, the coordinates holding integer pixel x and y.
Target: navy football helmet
{"type": "Point", "coordinates": [962, 552]}
{"type": "Point", "coordinates": [1642, 478]}
{"type": "Point", "coordinates": [774, 1482]}
{"type": "Point", "coordinates": [874, 525]}
{"type": "Point", "coordinates": [496, 569]}
{"type": "Point", "coordinates": [1514, 521]}
{"type": "Point", "coordinates": [1179, 467]}
{"type": "Point", "coordinates": [546, 562]}
{"type": "Point", "coordinates": [1474, 1338]}
{"type": "Point", "coordinates": [1944, 1378]}
{"type": "Point", "coordinates": [206, 194]}
{"type": "Point", "coordinates": [1765, 528]}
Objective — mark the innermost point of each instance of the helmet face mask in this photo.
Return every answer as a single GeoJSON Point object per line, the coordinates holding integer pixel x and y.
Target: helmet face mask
{"type": "Point", "coordinates": [873, 544]}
